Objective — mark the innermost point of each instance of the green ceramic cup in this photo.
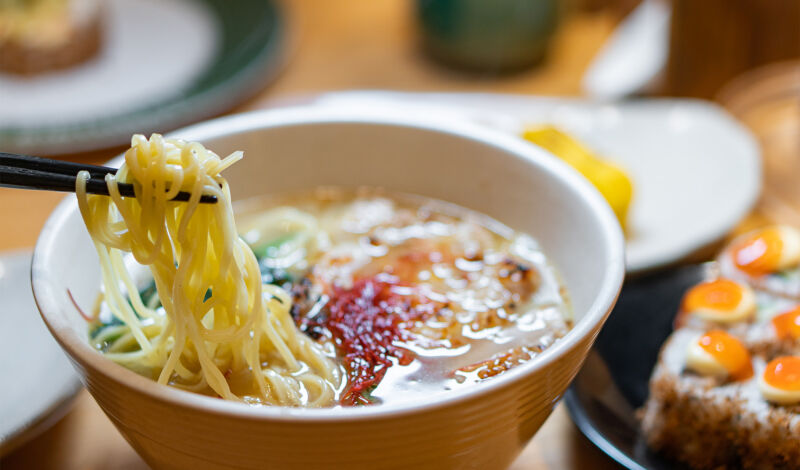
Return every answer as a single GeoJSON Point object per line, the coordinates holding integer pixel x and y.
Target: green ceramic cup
{"type": "Point", "coordinates": [488, 35]}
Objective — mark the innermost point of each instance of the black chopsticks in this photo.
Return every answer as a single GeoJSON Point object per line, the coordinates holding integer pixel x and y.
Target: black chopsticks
{"type": "Point", "coordinates": [27, 172]}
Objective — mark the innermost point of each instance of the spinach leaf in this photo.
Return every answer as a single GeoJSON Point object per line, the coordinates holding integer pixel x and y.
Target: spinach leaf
{"type": "Point", "coordinates": [270, 249]}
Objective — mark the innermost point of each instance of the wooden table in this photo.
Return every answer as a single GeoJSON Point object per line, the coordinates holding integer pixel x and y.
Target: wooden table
{"type": "Point", "coordinates": [335, 44]}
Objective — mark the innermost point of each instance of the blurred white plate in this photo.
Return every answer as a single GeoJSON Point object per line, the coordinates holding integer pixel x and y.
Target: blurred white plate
{"type": "Point", "coordinates": [163, 63]}
{"type": "Point", "coordinates": [696, 171]}
{"type": "Point", "coordinates": [38, 380]}
{"type": "Point", "coordinates": [634, 55]}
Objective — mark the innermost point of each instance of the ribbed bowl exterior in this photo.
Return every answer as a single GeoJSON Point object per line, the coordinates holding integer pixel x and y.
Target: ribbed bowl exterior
{"type": "Point", "coordinates": [483, 426]}
{"type": "Point", "coordinates": [486, 432]}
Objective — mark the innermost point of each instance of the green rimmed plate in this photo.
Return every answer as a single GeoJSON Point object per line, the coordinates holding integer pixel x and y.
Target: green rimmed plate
{"type": "Point", "coordinates": [164, 64]}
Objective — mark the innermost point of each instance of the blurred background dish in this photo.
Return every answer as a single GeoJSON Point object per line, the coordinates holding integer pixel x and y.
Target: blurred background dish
{"type": "Point", "coordinates": [767, 100]}
{"type": "Point", "coordinates": [498, 36]}
{"type": "Point", "coordinates": [44, 35]}
{"type": "Point", "coordinates": [171, 62]}
{"type": "Point", "coordinates": [634, 57]}
{"type": "Point", "coordinates": [696, 172]}
{"type": "Point", "coordinates": [44, 382]}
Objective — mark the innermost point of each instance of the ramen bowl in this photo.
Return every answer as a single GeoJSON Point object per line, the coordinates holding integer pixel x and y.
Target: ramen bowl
{"type": "Point", "coordinates": [481, 426]}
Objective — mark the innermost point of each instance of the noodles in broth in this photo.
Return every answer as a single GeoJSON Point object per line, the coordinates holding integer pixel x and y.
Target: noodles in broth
{"type": "Point", "coordinates": [219, 323]}
{"type": "Point", "coordinates": [330, 297]}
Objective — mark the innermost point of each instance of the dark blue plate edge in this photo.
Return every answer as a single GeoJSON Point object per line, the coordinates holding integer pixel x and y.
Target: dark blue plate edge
{"type": "Point", "coordinates": [585, 426]}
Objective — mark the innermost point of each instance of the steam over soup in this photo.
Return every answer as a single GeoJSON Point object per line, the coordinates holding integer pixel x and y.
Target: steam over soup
{"type": "Point", "coordinates": [368, 297]}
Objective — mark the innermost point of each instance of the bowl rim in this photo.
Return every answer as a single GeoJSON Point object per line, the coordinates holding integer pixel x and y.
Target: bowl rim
{"type": "Point", "coordinates": [610, 236]}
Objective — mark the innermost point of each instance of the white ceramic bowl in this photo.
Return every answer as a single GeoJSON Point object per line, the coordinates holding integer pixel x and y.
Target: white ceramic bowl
{"type": "Point", "coordinates": [484, 426]}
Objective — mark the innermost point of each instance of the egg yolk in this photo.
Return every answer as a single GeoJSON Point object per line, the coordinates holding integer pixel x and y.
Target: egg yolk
{"type": "Point", "coordinates": [730, 352]}
{"type": "Point", "coordinates": [787, 324]}
{"type": "Point", "coordinates": [720, 295]}
{"type": "Point", "coordinates": [783, 373]}
{"type": "Point", "coordinates": [759, 253]}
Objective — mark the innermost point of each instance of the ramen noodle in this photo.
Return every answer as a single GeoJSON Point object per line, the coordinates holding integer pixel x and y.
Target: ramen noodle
{"type": "Point", "coordinates": [327, 297]}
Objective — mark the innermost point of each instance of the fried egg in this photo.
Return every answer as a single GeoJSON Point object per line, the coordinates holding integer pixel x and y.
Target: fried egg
{"type": "Point", "coordinates": [721, 301]}
{"type": "Point", "coordinates": [718, 354]}
{"type": "Point", "coordinates": [767, 250]}
{"type": "Point", "coordinates": [780, 382]}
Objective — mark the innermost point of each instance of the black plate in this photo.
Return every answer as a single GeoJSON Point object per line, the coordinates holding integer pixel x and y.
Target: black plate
{"type": "Point", "coordinates": [613, 383]}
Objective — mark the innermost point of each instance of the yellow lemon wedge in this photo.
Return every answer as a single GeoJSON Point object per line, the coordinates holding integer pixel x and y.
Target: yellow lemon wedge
{"type": "Point", "coordinates": [612, 182]}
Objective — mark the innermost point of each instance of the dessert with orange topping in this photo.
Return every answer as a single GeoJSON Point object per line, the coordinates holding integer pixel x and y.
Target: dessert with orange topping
{"type": "Point", "coordinates": [725, 392]}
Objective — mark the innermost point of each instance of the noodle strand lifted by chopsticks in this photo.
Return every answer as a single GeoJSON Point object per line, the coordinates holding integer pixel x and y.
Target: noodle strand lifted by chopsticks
{"type": "Point", "coordinates": [219, 319]}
